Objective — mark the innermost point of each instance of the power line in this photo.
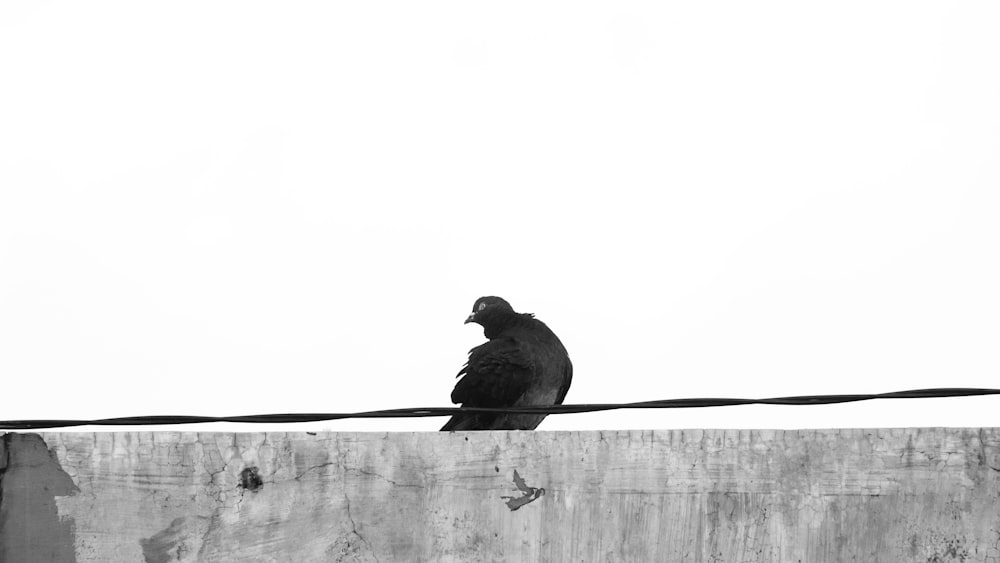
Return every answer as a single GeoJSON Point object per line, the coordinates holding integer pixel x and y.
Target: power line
{"type": "Point", "coordinates": [449, 411]}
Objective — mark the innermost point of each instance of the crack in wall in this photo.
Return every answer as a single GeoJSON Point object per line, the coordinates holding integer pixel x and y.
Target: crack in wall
{"type": "Point", "coordinates": [386, 479]}
{"type": "Point", "coordinates": [342, 456]}
{"type": "Point", "coordinates": [312, 468]}
{"type": "Point", "coordinates": [354, 527]}
{"type": "Point", "coordinates": [982, 451]}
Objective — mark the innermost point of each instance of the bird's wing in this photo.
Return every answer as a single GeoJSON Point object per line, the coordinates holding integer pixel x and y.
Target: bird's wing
{"type": "Point", "coordinates": [567, 380]}
{"type": "Point", "coordinates": [496, 375]}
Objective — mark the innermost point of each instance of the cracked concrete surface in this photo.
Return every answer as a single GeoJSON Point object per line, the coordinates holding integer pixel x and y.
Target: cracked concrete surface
{"type": "Point", "coordinates": [710, 495]}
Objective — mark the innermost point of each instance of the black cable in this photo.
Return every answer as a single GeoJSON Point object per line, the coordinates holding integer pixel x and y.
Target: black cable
{"type": "Point", "coordinates": [449, 411]}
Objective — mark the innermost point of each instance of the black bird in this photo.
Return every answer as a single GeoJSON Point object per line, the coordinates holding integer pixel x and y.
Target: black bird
{"type": "Point", "coordinates": [522, 364]}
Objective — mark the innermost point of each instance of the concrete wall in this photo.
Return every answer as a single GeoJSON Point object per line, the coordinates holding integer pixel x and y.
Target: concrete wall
{"type": "Point", "coordinates": [928, 495]}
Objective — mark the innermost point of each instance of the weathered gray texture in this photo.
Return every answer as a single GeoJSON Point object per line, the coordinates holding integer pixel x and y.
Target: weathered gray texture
{"type": "Point", "coordinates": [928, 495]}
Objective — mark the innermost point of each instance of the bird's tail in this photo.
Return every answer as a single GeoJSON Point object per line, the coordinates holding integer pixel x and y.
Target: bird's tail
{"type": "Point", "coordinates": [489, 421]}
{"type": "Point", "coordinates": [480, 421]}
{"type": "Point", "coordinates": [460, 422]}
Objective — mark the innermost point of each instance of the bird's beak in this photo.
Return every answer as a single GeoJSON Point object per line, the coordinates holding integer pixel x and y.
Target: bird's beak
{"type": "Point", "coordinates": [471, 318]}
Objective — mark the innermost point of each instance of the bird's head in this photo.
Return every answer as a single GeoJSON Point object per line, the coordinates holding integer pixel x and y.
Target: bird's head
{"type": "Point", "coordinates": [488, 308]}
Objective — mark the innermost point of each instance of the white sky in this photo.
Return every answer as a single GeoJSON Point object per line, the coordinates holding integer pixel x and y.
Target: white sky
{"type": "Point", "coordinates": [249, 207]}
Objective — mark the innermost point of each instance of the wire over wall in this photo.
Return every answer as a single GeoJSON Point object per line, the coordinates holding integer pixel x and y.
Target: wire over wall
{"type": "Point", "coordinates": [449, 411]}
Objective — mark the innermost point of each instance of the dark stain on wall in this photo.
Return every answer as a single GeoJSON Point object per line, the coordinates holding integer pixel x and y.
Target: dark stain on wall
{"type": "Point", "coordinates": [168, 545]}
{"type": "Point", "coordinates": [30, 480]}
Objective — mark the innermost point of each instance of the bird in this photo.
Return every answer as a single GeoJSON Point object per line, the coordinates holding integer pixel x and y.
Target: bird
{"type": "Point", "coordinates": [523, 363]}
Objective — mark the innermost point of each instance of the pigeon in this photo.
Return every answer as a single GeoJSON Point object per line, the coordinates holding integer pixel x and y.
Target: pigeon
{"type": "Point", "coordinates": [522, 364]}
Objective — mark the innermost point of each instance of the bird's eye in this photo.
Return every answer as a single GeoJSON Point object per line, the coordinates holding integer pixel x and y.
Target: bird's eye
{"type": "Point", "coordinates": [481, 306]}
